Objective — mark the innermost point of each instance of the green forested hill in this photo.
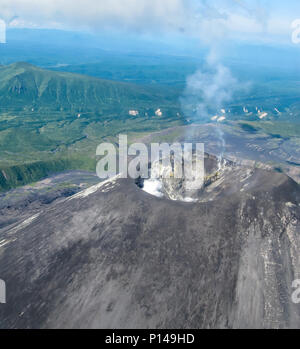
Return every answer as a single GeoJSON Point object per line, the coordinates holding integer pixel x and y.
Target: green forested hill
{"type": "Point", "coordinates": [52, 116]}
{"type": "Point", "coordinates": [24, 86]}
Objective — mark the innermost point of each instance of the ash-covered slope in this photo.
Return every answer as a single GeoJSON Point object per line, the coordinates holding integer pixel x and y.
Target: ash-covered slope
{"type": "Point", "coordinates": [114, 256]}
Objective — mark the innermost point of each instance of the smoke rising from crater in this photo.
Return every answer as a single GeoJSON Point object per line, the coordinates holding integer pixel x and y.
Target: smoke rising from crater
{"type": "Point", "coordinates": [208, 95]}
{"type": "Point", "coordinates": [211, 89]}
{"type": "Point", "coordinates": [208, 91]}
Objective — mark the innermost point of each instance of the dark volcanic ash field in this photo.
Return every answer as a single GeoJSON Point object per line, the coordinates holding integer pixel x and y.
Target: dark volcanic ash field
{"type": "Point", "coordinates": [113, 256]}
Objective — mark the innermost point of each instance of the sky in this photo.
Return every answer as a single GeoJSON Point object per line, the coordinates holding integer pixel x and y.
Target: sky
{"type": "Point", "coordinates": [208, 20]}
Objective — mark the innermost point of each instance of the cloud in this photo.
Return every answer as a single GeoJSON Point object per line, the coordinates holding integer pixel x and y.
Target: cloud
{"type": "Point", "coordinates": [94, 14]}
{"type": "Point", "coordinates": [208, 20]}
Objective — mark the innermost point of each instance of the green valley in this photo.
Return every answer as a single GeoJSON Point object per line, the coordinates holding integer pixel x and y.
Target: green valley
{"type": "Point", "coordinates": [49, 118]}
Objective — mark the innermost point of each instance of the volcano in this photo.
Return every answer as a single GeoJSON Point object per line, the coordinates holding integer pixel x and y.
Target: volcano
{"type": "Point", "coordinates": [163, 183]}
{"type": "Point", "coordinates": [114, 256]}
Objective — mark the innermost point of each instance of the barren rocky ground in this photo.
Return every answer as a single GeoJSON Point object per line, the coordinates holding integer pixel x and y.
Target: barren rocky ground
{"type": "Point", "coordinates": [113, 256]}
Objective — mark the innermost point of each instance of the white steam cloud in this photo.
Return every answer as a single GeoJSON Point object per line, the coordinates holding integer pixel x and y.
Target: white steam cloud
{"type": "Point", "coordinates": [140, 15]}
{"type": "Point", "coordinates": [207, 95]}
{"type": "Point", "coordinates": [207, 92]}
